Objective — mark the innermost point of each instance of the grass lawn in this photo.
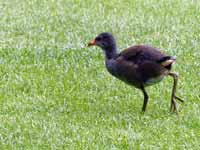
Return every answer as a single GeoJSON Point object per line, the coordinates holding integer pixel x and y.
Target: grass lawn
{"type": "Point", "coordinates": [55, 92]}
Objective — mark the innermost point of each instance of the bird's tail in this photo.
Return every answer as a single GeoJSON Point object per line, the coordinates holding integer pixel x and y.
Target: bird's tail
{"type": "Point", "coordinates": [167, 61]}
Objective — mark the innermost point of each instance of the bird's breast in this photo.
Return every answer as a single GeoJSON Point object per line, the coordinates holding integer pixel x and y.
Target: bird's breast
{"type": "Point", "coordinates": [122, 72]}
{"type": "Point", "coordinates": [112, 67]}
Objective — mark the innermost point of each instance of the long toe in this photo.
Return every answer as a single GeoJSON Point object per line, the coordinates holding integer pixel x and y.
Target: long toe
{"type": "Point", "coordinates": [178, 98]}
{"type": "Point", "coordinates": [172, 107]}
{"type": "Point", "coordinates": [175, 107]}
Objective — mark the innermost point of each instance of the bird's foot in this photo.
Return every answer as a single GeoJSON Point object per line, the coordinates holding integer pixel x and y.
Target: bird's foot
{"type": "Point", "coordinates": [174, 105]}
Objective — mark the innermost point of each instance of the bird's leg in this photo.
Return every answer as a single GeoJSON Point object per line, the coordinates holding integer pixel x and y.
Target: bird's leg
{"type": "Point", "coordinates": [146, 97]}
{"type": "Point", "coordinates": [173, 96]}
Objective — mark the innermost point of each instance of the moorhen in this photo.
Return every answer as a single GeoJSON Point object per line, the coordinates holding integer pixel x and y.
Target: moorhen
{"type": "Point", "coordinates": [138, 65]}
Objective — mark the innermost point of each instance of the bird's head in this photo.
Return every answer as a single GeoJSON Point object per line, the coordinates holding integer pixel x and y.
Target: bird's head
{"type": "Point", "coordinates": [104, 40]}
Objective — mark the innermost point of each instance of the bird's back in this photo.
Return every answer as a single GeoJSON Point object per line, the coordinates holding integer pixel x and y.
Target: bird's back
{"type": "Point", "coordinates": [140, 53]}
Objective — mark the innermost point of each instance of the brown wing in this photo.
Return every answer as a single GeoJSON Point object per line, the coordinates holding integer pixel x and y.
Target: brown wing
{"type": "Point", "coordinates": [139, 73]}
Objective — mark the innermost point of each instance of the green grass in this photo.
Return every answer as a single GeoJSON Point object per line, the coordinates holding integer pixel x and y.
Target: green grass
{"type": "Point", "coordinates": [55, 93]}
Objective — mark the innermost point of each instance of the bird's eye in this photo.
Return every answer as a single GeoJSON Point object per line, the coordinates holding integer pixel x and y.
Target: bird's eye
{"type": "Point", "coordinates": [104, 37]}
{"type": "Point", "coordinates": [98, 39]}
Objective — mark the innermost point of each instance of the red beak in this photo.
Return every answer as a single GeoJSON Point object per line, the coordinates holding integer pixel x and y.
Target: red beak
{"type": "Point", "coordinates": [91, 43]}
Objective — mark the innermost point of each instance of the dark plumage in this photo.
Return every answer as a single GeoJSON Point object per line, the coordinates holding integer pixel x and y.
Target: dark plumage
{"type": "Point", "coordinates": [138, 65]}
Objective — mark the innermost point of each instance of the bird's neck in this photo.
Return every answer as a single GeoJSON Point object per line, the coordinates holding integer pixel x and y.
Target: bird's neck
{"type": "Point", "coordinates": [110, 52]}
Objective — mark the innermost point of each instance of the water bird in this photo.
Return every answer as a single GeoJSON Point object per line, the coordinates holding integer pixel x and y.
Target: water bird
{"type": "Point", "coordinates": [138, 65]}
